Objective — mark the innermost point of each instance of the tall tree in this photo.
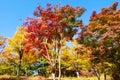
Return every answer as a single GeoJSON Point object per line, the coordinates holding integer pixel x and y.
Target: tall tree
{"type": "Point", "coordinates": [52, 24]}
{"type": "Point", "coordinates": [103, 35]}
{"type": "Point", "coordinates": [15, 45]}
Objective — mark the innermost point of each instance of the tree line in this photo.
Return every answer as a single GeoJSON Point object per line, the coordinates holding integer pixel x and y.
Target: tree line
{"type": "Point", "coordinates": [46, 44]}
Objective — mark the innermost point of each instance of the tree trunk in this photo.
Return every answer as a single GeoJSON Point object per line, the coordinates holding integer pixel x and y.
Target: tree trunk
{"type": "Point", "coordinates": [98, 75]}
{"type": "Point", "coordinates": [17, 73]}
{"type": "Point", "coordinates": [98, 78]}
{"type": "Point", "coordinates": [59, 59]}
{"type": "Point", "coordinates": [104, 76]}
{"type": "Point", "coordinates": [25, 71]}
{"type": "Point", "coordinates": [19, 68]}
{"type": "Point", "coordinates": [77, 73]}
{"type": "Point", "coordinates": [76, 65]}
{"type": "Point", "coordinates": [19, 64]}
{"type": "Point", "coordinates": [53, 70]}
{"type": "Point", "coordinates": [53, 75]}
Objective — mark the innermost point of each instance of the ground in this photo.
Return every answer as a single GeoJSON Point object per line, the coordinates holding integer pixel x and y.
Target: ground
{"type": "Point", "coordinates": [8, 77]}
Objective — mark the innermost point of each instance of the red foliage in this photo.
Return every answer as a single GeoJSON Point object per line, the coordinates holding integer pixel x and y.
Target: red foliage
{"type": "Point", "coordinates": [50, 24]}
{"type": "Point", "coordinates": [93, 14]}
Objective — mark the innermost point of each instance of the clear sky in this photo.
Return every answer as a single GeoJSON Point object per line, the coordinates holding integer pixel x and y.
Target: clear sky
{"type": "Point", "coordinates": [12, 11]}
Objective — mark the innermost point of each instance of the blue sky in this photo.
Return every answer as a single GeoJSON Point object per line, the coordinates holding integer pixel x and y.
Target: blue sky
{"type": "Point", "coordinates": [12, 11]}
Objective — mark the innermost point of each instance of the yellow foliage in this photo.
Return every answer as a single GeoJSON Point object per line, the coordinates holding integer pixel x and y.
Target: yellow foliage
{"type": "Point", "coordinates": [15, 45]}
{"type": "Point", "coordinates": [76, 54]}
{"type": "Point", "coordinates": [28, 58]}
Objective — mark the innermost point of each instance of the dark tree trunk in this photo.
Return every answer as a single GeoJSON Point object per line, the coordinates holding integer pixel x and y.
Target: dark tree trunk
{"type": "Point", "coordinates": [19, 64]}
{"type": "Point", "coordinates": [19, 68]}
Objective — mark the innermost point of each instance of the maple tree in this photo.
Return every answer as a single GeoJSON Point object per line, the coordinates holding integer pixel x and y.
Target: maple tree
{"type": "Point", "coordinates": [102, 34]}
{"type": "Point", "coordinates": [52, 24]}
